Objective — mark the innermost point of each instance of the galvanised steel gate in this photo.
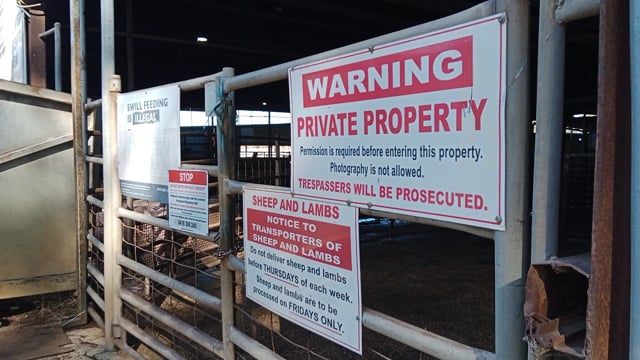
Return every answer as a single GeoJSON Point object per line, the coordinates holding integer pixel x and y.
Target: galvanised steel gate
{"type": "Point", "coordinates": [181, 295]}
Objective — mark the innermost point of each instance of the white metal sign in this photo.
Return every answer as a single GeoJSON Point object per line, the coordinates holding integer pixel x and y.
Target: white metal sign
{"type": "Point", "coordinates": [148, 141]}
{"type": "Point", "coordinates": [302, 262]}
{"type": "Point", "coordinates": [413, 127]}
{"type": "Point", "coordinates": [189, 201]}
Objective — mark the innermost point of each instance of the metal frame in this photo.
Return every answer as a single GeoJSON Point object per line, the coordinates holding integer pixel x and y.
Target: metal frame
{"type": "Point", "coordinates": [511, 246]}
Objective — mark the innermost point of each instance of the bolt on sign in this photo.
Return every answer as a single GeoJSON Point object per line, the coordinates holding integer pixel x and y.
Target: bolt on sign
{"type": "Point", "coordinates": [413, 127]}
{"type": "Point", "coordinates": [302, 263]}
{"type": "Point", "coordinates": [148, 141]}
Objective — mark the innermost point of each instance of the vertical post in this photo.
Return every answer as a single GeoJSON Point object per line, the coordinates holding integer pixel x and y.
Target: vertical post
{"type": "Point", "coordinates": [227, 160]}
{"type": "Point", "coordinates": [609, 285]}
{"type": "Point", "coordinates": [112, 195]}
{"type": "Point", "coordinates": [511, 245]}
{"type": "Point", "coordinates": [112, 224]}
{"type": "Point", "coordinates": [57, 52]}
{"type": "Point", "coordinates": [37, 52]}
{"type": "Point", "coordinates": [130, 50]}
{"type": "Point", "coordinates": [634, 339]}
{"type": "Point", "coordinates": [549, 132]}
{"type": "Point", "coordinates": [80, 149]}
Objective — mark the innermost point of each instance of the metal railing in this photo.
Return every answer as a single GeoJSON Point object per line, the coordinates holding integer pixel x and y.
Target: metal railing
{"type": "Point", "coordinates": [134, 312]}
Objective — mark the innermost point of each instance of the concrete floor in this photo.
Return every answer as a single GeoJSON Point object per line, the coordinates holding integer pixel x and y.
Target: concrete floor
{"type": "Point", "coordinates": [88, 344]}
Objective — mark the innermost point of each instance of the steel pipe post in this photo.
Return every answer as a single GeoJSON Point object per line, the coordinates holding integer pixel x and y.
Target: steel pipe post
{"type": "Point", "coordinates": [608, 303]}
{"type": "Point", "coordinates": [549, 132]}
{"type": "Point", "coordinates": [57, 51]}
{"type": "Point", "coordinates": [634, 340]}
{"type": "Point", "coordinates": [79, 147]}
{"type": "Point", "coordinates": [112, 195]}
{"type": "Point", "coordinates": [227, 160]}
{"type": "Point", "coordinates": [512, 245]}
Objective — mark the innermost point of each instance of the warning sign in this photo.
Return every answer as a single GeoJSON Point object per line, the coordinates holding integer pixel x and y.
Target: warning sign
{"type": "Point", "coordinates": [302, 262]}
{"type": "Point", "coordinates": [189, 201]}
{"type": "Point", "coordinates": [414, 127]}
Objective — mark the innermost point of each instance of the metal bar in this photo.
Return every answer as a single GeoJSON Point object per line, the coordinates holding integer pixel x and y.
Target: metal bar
{"type": "Point", "coordinates": [608, 304]}
{"type": "Point", "coordinates": [94, 159]}
{"type": "Point", "coordinates": [150, 341]}
{"type": "Point", "coordinates": [280, 72]}
{"type": "Point", "coordinates": [112, 194]}
{"type": "Point", "coordinates": [571, 10]}
{"type": "Point", "coordinates": [76, 12]}
{"type": "Point", "coordinates": [483, 233]}
{"type": "Point", "coordinates": [199, 337]}
{"type": "Point", "coordinates": [512, 246]}
{"type": "Point", "coordinates": [95, 316]}
{"type": "Point", "coordinates": [251, 346]}
{"type": "Point", "coordinates": [25, 151]}
{"type": "Point", "coordinates": [211, 169]}
{"type": "Point", "coordinates": [97, 274]}
{"type": "Point", "coordinates": [95, 201]}
{"type": "Point", "coordinates": [419, 339]}
{"type": "Point", "coordinates": [46, 33]}
{"type": "Point", "coordinates": [236, 264]}
{"type": "Point", "coordinates": [202, 298]}
{"type": "Point", "coordinates": [549, 133]}
{"type": "Point", "coordinates": [92, 105]}
{"type": "Point", "coordinates": [163, 223]}
{"type": "Point", "coordinates": [634, 35]}
{"type": "Point", "coordinates": [94, 240]}
{"type": "Point", "coordinates": [57, 51]}
{"type": "Point", "coordinates": [407, 334]}
{"type": "Point", "coordinates": [235, 187]}
{"type": "Point", "coordinates": [129, 350]}
{"type": "Point", "coordinates": [227, 162]}
{"type": "Point", "coordinates": [95, 297]}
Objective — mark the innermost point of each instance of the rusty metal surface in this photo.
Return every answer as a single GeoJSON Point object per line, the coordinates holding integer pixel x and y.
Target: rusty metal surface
{"type": "Point", "coordinates": [555, 305]}
{"type": "Point", "coordinates": [608, 307]}
{"type": "Point", "coordinates": [37, 51]}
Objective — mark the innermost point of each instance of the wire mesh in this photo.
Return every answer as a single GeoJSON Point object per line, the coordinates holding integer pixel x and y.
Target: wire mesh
{"type": "Point", "coordinates": [188, 259]}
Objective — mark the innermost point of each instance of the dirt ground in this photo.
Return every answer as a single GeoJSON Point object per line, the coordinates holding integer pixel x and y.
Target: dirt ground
{"type": "Point", "coordinates": [436, 279]}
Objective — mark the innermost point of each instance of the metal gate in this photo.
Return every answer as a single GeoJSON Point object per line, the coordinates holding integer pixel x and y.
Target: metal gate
{"type": "Point", "coordinates": [37, 236]}
{"type": "Point", "coordinates": [182, 296]}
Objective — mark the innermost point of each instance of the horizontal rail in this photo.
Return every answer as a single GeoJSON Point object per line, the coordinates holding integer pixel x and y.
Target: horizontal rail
{"type": "Point", "coordinates": [201, 297]}
{"type": "Point", "coordinates": [43, 96]}
{"type": "Point", "coordinates": [94, 240]}
{"type": "Point", "coordinates": [49, 32]}
{"type": "Point", "coordinates": [99, 276]}
{"type": "Point", "coordinates": [483, 233]}
{"type": "Point", "coordinates": [570, 10]}
{"type": "Point", "coordinates": [95, 316]}
{"type": "Point", "coordinates": [407, 334]}
{"type": "Point", "coordinates": [95, 201]}
{"type": "Point", "coordinates": [211, 169]}
{"type": "Point", "coordinates": [280, 72]}
{"type": "Point", "coordinates": [150, 341]}
{"type": "Point", "coordinates": [95, 297]}
{"type": "Point", "coordinates": [128, 349]}
{"type": "Point", "coordinates": [419, 339]}
{"type": "Point", "coordinates": [234, 187]}
{"type": "Point", "coordinates": [28, 150]}
{"type": "Point", "coordinates": [94, 159]}
{"type": "Point", "coordinates": [251, 346]}
{"type": "Point", "coordinates": [199, 337]}
{"type": "Point", "coordinates": [92, 105]}
{"type": "Point", "coordinates": [163, 223]}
